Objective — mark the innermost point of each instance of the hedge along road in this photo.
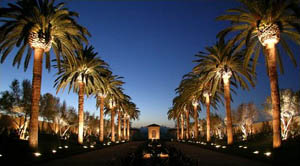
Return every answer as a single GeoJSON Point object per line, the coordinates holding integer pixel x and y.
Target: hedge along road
{"type": "Point", "coordinates": [206, 157]}
{"type": "Point", "coordinates": [106, 156]}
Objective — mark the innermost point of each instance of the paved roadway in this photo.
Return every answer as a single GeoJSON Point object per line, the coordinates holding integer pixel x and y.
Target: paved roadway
{"type": "Point", "coordinates": [106, 156]}
{"type": "Point", "coordinates": [211, 158]}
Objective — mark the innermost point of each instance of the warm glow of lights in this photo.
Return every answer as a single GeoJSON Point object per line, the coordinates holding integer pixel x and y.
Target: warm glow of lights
{"type": "Point", "coordinates": [212, 144]}
{"type": "Point", "coordinates": [59, 147]}
{"type": "Point", "coordinates": [240, 146]}
{"type": "Point", "coordinates": [53, 151]}
{"type": "Point", "coordinates": [162, 155]}
{"type": "Point", "coordinates": [117, 142]}
{"type": "Point", "coordinates": [66, 147]}
{"type": "Point", "coordinates": [104, 144]}
{"type": "Point", "coordinates": [223, 147]}
{"type": "Point", "coordinates": [85, 147]}
{"type": "Point", "coordinates": [37, 154]}
{"type": "Point", "coordinates": [183, 140]}
{"type": "Point", "coordinates": [92, 146]}
{"type": "Point", "coordinates": [218, 146]}
{"type": "Point", "coordinates": [123, 141]}
{"type": "Point", "coordinates": [256, 152]}
{"type": "Point", "coordinates": [0, 155]}
{"type": "Point", "coordinates": [268, 154]}
{"type": "Point", "coordinates": [245, 147]}
{"type": "Point", "coordinates": [147, 156]}
{"type": "Point", "coordinates": [159, 145]}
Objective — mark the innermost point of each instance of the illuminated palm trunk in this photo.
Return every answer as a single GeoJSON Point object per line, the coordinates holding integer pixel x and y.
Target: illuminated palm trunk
{"type": "Point", "coordinates": [128, 130]}
{"type": "Point", "coordinates": [182, 126]}
{"type": "Point", "coordinates": [101, 125]}
{"type": "Point", "coordinates": [36, 93]}
{"type": "Point", "coordinates": [228, 110]}
{"type": "Point", "coordinates": [196, 122]}
{"type": "Point", "coordinates": [274, 95]}
{"type": "Point", "coordinates": [207, 102]}
{"type": "Point", "coordinates": [124, 128]}
{"type": "Point", "coordinates": [178, 130]}
{"type": "Point", "coordinates": [187, 124]}
{"type": "Point", "coordinates": [80, 112]}
{"type": "Point", "coordinates": [119, 125]}
{"type": "Point", "coordinates": [112, 120]}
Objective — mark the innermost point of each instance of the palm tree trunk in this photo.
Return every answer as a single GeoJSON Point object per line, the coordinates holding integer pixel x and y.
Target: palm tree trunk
{"type": "Point", "coordinates": [182, 127]}
{"type": "Point", "coordinates": [101, 127]}
{"type": "Point", "coordinates": [274, 95]}
{"type": "Point", "coordinates": [207, 118]}
{"type": "Point", "coordinates": [196, 122]}
{"type": "Point", "coordinates": [187, 124]}
{"type": "Point", "coordinates": [80, 112]}
{"type": "Point", "coordinates": [119, 125]}
{"type": "Point", "coordinates": [112, 121]}
{"type": "Point", "coordinates": [228, 111]}
{"type": "Point", "coordinates": [124, 128]}
{"type": "Point", "coordinates": [178, 126]}
{"type": "Point", "coordinates": [35, 101]}
{"type": "Point", "coordinates": [128, 130]}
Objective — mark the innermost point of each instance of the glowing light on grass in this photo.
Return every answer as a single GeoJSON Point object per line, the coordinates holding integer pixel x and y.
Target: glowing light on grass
{"type": "Point", "coordinates": [104, 144]}
{"type": "Point", "coordinates": [240, 146]}
{"type": "Point", "coordinates": [37, 154]}
{"type": "Point", "coordinates": [123, 141]}
{"type": "Point", "coordinates": [66, 147]}
{"type": "Point", "coordinates": [0, 155]}
{"type": "Point", "coordinates": [59, 147]}
{"type": "Point", "coordinates": [54, 151]}
{"type": "Point", "coordinates": [268, 154]}
{"type": "Point", "coordinates": [223, 147]}
{"type": "Point", "coordinates": [256, 152]}
{"type": "Point", "coordinates": [218, 146]}
{"type": "Point", "coordinates": [92, 146]}
{"type": "Point", "coordinates": [117, 142]}
{"type": "Point", "coordinates": [85, 147]}
{"type": "Point", "coordinates": [245, 147]}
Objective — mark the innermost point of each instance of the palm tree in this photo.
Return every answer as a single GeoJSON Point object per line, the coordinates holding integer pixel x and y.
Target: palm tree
{"type": "Point", "coordinates": [38, 26]}
{"type": "Point", "coordinates": [173, 115]}
{"type": "Point", "coordinates": [133, 113]}
{"type": "Point", "coordinates": [265, 25]}
{"type": "Point", "coordinates": [111, 85]}
{"type": "Point", "coordinates": [223, 66]}
{"type": "Point", "coordinates": [82, 74]}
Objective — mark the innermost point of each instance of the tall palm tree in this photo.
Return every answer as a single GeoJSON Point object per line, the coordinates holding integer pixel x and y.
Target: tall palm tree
{"type": "Point", "coordinates": [82, 74]}
{"type": "Point", "coordinates": [111, 85]}
{"type": "Point", "coordinates": [266, 25]}
{"type": "Point", "coordinates": [133, 113]}
{"type": "Point", "coordinates": [38, 26]}
{"type": "Point", "coordinates": [223, 67]}
{"type": "Point", "coordinates": [173, 115]}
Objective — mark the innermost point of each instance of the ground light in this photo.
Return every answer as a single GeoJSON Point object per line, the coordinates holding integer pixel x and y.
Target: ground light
{"type": "Point", "coordinates": [92, 146]}
{"type": "Point", "coordinates": [85, 147]}
{"type": "Point", "coordinates": [268, 154]}
{"type": "Point", "coordinates": [59, 147]}
{"type": "Point", "coordinates": [37, 154]}
{"type": "Point", "coordinates": [66, 147]}
{"type": "Point", "coordinates": [53, 151]}
{"type": "Point", "coordinates": [245, 147]}
{"type": "Point", "coordinates": [0, 155]}
{"type": "Point", "coordinates": [104, 144]}
{"type": "Point", "coordinates": [223, 147]}
{"type": "Point", "coordinates": [240, 146]}
{"type": "Point", "coordinates": [256, 152]}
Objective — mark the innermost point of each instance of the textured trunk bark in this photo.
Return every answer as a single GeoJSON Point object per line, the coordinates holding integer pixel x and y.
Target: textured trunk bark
{"type": "Point", "coordinates": [178, 130]}
{"type": "Point", "coordinates": [80, 112]}
{"type": "Point", "coordinates": [101, 125]}
{"type": "Point", "coordinates": [274, 95]}
{"type": "Point", "coordinates": [187, 124]}
{"type": "Point", "coordinates": [182, 127]}
{"type": "Point", "coordinates": [207, 101]}
{"type": "Point", "coordinates": [128, 130]}
{"type": "Point", "coordinates": [35, 101]}
{"type": "Point", "coordinates": [124, 128]}
{"type": "Point", "coordinates": [228, 111]}
{"type": "Point", "coordinates": [119, 125]}
{"type": "Point", "coordinates": [196, 122]}
{"type": "Point", "coordinates": [112, 120]}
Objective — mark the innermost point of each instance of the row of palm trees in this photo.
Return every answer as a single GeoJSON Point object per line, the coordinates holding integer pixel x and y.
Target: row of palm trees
{"type": "Point", "coordinates": [254, 26]}
{"type": "Point", "coordinates": [42, 26]}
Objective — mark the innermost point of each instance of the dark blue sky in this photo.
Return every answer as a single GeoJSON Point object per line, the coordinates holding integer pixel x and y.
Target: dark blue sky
{"type": "Point", "coordinates": [152, 44]}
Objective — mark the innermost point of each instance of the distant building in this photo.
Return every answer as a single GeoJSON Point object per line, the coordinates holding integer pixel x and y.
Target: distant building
{"type": "Point", "coordinates": [153, 131]}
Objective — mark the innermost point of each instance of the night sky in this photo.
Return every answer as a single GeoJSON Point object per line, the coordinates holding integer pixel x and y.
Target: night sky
{"type": "Point", "coordinates": [152, 45]}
